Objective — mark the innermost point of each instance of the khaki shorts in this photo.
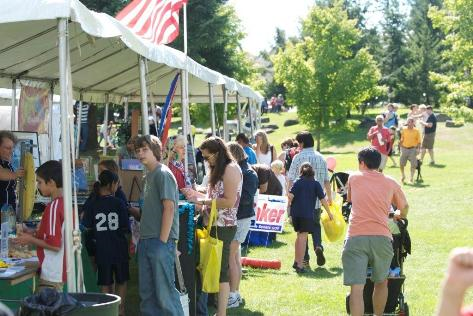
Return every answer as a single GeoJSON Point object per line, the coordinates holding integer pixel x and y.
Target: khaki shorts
{"type": "Point", "coordinates": [428, 141]}
{"type": "Point", "coordinates": [361, 252]}
{"type": "Point", "coordinates": [225, 234]}
{"type": "Point", "coordinates": [43, 284]}
{"type": "Point", "coordinates": [408, 154]}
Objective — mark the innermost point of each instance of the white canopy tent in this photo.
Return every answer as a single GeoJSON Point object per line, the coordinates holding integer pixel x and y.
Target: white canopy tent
{"type": "Point", "coordinates": [62, 43]}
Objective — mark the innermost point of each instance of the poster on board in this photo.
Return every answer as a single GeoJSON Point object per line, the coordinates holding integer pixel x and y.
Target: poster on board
{"type": "Point", "coordinates": [270, 213]}
{"type": "Point", "coordinates": [31, 139]}
{"type": "Point", "coordinates": [33, 109]}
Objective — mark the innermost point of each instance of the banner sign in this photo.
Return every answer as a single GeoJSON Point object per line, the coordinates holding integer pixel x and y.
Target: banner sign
{"type": "Point", "coordinates": [33, 109]}
{"type": "Point", "coordinates": [270, 213]}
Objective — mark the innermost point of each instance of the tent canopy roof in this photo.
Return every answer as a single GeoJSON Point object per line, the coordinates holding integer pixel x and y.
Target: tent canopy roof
{"type": "Point", "coordinates": [104, 55]}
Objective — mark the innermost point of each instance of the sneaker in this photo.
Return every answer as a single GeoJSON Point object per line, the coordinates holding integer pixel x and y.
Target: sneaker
{"type": "Point", "coordinates": [240, 300]}
{"type": "Point", "coordinates": [432, 163]}
{"type": "Point", "coordinates": [233, 301]}
{"type": "Point", "coordinates": [319, 252]}
{"type": "Point", "coordinates": [300, 270]}
{"type": "Point", "coordinates": [305, 264]}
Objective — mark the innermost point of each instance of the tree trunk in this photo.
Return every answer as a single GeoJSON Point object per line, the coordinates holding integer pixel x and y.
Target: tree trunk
{"type": "Point", "coordinates": [317, 138]}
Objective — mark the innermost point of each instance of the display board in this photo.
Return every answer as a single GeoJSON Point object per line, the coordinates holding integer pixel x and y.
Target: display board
{"type": "Point", "coordinates": [30, 138]}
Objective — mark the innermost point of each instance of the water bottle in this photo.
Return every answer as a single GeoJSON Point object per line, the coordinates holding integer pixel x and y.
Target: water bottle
{"type": "Point", "coordinates": [5, 229]}
{"type": "Point", "coordinates": [12, 219]}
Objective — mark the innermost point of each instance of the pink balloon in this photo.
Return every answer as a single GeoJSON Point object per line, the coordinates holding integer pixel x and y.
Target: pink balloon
{"type": "Point", "coordinates": [331, 163]}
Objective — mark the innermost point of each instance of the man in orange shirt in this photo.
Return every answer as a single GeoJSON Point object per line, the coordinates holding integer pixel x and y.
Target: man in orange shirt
{"type": "Point", "coordinates": [368, 237]}
{"type": "Point", "coordinates": [410, 146]}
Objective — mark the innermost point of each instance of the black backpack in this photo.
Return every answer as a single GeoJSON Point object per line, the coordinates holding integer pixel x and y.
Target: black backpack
{"type": "Point", "coordinates": [290, 153]}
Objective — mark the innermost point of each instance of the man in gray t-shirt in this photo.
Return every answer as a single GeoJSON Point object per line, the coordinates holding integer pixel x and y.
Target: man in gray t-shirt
{"type": "Point", "coordinates": [159, 231]}
{"type": "Point", "coordinates": [160, 184]}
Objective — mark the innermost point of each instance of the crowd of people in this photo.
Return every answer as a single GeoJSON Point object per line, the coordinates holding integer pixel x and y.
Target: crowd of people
{"type": "Point", "coordinates": [235, 173]}
{"type": "Point", "coordinates": [299, 171]}
{"type": "Point", "coordinates": [416, 137]}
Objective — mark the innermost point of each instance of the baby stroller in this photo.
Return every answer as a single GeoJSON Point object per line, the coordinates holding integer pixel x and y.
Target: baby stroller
{"type": "Point", "coordinates": [339, 181]}
{"type": "Point", "coordinates": [395, 304]}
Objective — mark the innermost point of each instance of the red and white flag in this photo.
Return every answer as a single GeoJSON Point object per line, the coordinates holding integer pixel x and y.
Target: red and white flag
{"type": "Point", "coordinates": [154, 20]}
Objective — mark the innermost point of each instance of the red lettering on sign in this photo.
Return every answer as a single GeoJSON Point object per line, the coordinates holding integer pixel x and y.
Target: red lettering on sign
{"type": "Point", "coordinates": [264, 214]}
{"type": "Point", "coordinates": [281, 213]}
{"type": "Point", "coordinates": [273, 214]}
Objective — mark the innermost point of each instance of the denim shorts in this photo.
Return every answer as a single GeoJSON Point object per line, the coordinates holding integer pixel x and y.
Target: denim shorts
{"type": "Point", "coordinates": [243, 227]}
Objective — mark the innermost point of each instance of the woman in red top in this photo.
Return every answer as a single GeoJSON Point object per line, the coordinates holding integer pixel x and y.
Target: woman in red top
{"type": "Point", "coordinates": [176, 163]}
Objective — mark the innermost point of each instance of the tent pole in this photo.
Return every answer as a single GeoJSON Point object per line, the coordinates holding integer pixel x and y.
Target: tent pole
{"type": "Point", "coordinates": [184, 104]}
{"type": "Point", "coordinates": [144, 97]}
{"type": "Point", "coordinates": [51, 114]}
{"type": "Point", "coordinates": [250, 116]}
{"type": "Point", "coordinates": [105, 130]}
{"type": "Point", "coordinates": [225, 113]}
{"type": "Point", "coordinates": [13, 106]}
{"type": "Point", "coordinates": [125, 114]}
{"type": "Point", "coordinates": [66, 158]}
{"type": "Point", "coordinates": [238, 112]}
{"type": "Point", "coordinates": [79, 125]}
{"type": "Point", "coordinates": [151, 101]}
{"type": "Point", "coordinates": [212, 108]}
{"type": "Point", "coordinates": [258, 113]}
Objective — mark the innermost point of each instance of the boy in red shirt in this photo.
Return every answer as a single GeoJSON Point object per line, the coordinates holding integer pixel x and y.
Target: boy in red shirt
{"type": "Point", "coordinates": [48, 238]}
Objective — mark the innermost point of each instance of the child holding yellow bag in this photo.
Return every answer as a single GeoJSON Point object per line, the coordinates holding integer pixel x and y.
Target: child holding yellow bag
{"type": "Point", "coordinates": [302, 198]}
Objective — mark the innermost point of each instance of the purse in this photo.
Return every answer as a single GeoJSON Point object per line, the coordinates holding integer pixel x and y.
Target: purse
{"type": "Point", "coordinates": [210, 261]}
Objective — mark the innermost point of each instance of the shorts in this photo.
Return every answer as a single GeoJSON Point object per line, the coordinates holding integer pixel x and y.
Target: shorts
{"type": "Point", "coordinates": [43, 284]}
{"type": "Point", "coordinates": [243, 227]}
{"type": "Point", "coordinates": [225, 234]}
{"type": "Point", "coordinates": [361, 252]}
{"type": "Point", "coordinates": [384, 159]}
{"type": "Point", "coordinates": [408, 154]}
{"type": "Point", "coordinates": [107, 274]}
{"type": "Point", "coordinates": [428, 141]}
{"type": "Point", "coordinates": [303, 224]}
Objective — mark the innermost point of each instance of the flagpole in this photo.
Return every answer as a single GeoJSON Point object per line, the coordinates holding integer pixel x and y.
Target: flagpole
{"type": "Point", "coordinates": [185, 95]}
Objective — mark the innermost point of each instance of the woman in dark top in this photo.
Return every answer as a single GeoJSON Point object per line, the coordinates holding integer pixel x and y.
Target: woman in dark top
{"type": "Point", "coordinates": [268, 181]}
{"type": "Point", "coordinates": [245, 213]}
{"type": "Point", "coordinates": [302, 196]}
{"type": "Point", "coordinates": [8, 175]}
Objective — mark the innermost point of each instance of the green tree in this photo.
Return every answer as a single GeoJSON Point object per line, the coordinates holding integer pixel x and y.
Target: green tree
{"type": "Point", "coordinates": [323, 74]}
{"type": "Point", "coordinates": [110, 7]}
{"type": "Point", "coordinates": [424, 55]}
{"type": "Point", "coordinates": [272, 87]}
{"type": "Point", "coordinates": [456, 20]}
{"type": "Point", "coordinates": [394, 50]}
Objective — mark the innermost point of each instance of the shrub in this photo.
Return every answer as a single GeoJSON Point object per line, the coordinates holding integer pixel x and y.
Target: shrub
{"type": "Point", "coordinates": [462, 113]}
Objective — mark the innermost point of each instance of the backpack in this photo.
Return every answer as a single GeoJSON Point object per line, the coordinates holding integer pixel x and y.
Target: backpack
{"type": "Point", "coordinates": [290, 153]}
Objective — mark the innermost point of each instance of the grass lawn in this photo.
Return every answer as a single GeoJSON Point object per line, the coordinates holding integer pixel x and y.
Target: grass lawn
{"type": "Point", "coordinates": [440, 219]}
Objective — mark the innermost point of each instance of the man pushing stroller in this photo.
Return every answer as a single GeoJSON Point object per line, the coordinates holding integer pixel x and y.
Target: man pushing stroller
{"type": "Point", "coordinates": [369, 238]}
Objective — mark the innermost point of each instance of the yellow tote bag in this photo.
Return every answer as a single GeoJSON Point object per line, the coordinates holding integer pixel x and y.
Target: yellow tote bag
{"type": "Point", "coordinates": [334, 229]}
{"type": "Point", "coordinates": [210, 256]}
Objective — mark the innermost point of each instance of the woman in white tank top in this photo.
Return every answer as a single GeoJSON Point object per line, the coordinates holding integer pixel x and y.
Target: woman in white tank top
{"type": "Point", "coordinates": [265, 153]}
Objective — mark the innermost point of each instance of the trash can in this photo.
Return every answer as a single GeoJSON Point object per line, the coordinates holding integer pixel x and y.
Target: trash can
{"type": "Point", "coordinates": [50, 302]}
{"type": "Point", "coordinates": [96, 304]}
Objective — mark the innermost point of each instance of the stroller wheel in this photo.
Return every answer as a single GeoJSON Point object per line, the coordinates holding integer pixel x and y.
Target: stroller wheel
{"type": "Point", "coordinates": [347, 303]}
{"type": "Point", "coordinates": [404, 310]}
